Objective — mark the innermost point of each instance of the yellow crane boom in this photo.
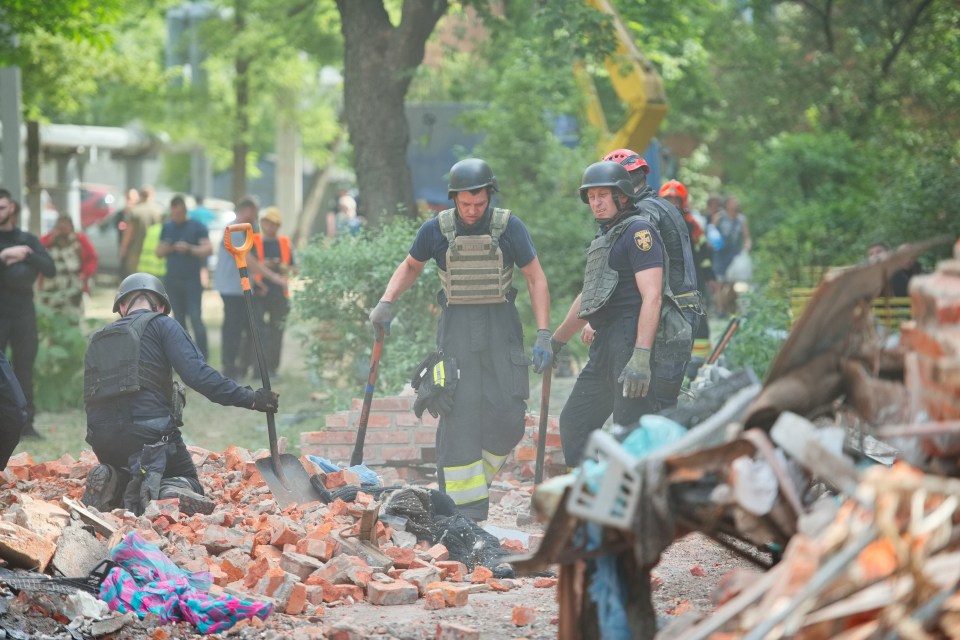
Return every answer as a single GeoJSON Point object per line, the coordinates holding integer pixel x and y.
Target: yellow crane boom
{"type": "Point", "coordinates": [637, 84]}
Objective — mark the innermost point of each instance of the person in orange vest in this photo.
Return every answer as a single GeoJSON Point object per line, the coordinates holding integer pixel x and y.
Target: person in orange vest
{"type": "Point", "coordinates": [278, 264]}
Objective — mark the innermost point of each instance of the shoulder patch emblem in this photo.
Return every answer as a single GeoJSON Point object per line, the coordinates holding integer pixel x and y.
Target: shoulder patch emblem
{"type": "Point", "coordinates": [643, 239]}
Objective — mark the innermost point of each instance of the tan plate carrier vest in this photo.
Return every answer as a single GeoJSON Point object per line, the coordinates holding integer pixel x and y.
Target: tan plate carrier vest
{"type": "Point", "coordinates": [475, 272]}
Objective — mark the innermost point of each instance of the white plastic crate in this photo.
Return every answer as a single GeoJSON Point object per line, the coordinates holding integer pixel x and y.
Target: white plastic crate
{"type": "Point", "coordinates": [607, 485]}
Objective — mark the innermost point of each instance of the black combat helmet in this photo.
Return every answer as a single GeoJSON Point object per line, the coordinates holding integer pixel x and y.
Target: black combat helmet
{"type": "Point", "coordinates": [606, 174]}
{"type": "Point", "coordinates": [469, 175]}
{"type": "Point", "coordinates": [142, 282]}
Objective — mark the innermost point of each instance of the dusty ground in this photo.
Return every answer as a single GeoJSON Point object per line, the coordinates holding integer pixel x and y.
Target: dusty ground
{"type": "Point", "coordinates": [489, 613]}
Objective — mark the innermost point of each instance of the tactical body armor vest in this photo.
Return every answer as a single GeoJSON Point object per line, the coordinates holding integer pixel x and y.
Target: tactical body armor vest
{"type": "Point", "coordinates": [600, 279]}
{"type": "Point", "coordinates": [113, 367]}
{"type": "Point", "coordinates": [676, 242]}
{"type": "Point", "coordinates": [475, 273]}
{"type": "Point", "coordinates": [674, 338]}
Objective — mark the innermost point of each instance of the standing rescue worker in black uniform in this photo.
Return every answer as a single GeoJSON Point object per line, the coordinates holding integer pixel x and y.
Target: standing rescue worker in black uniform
{"type": "Point", "coordinates": [682, 269]}
{"type": "Point", "coordinates": [134, 407]}
{"type": "Point", "coordinates": [482, 417]}
{"type": "Point", "coordinates": [621, 299]}
{"type": "Point", "coordinates": [22, 258]}
{"type": "Point", "coordinates": [13, 411]}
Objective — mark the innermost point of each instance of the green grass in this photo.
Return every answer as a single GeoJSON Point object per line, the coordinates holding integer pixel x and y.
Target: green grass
{"type": "Point", "coordinates": [207, 424]}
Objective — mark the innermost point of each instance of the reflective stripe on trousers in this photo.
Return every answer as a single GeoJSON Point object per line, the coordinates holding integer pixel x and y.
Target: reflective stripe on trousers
{"type": "Point", "coordinates": [466, 483]}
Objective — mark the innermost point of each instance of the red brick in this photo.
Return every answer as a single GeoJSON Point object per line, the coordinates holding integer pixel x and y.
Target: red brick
{"type": "Point", "coordinates": [257, 569]}
{"type": "Point", "coordinates": [438, 552]}
{"type": "Point", "coordinates": [297, 601]}
{"type": "Point", "coordinates": [284, 531]}
{"type": "Point", "coordinates": [525, 454]}
{"type": "Point", "coordinates": [545, 583]}
{"type": "Point", "coordinates": [400, 453]}
{"type": "Point", "coordinates": [328, 437]}
{"type": "Point", "coordinates": [434, 600]}
{"type": "Point", "coordinates": [402, 558]}
{"type": "Point", "coordinates": [408, 420]}
{"type": "Point", "coordinates": [480, 574]}
{"type": "Point", "coordinates": [394, 436]}
{"type": "Point", "coordinates": [337, 420]}
{"type": "Point", "coordinates": [392, 593]}
{"type": "Point", "coordinates": [523, 616]}
{"type": "Point", "coordinates": [380, 420]}
{"type": "Point", "coordinates": [321, 549]}
{"type": "Point", "coordinates": [454, 631]}
{"type": "Point", "coordinates": [424, 436]}
{"type": "Point", "coordinates": [428, 420]}
{"type": "Point", "coordinates": [452, 570]}
{"type": "Point", "coordinates": [335, 454]}
{"type": "Point", "coordinates": [397, 403]}
{"type": "Point", "coordinates": [454, 595]}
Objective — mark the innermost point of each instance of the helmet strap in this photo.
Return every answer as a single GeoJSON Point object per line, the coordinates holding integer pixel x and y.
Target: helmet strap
{"type": "Point", "coordinates": [141, 294]}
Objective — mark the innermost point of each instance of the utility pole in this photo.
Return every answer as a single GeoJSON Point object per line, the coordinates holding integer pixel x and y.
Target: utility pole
{"type": "Point", "coordinates": [10, 144]}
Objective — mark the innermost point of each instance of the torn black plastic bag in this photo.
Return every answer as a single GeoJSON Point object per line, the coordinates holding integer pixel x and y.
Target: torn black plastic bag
{"type": "Point", "coordinates": [146, 468]}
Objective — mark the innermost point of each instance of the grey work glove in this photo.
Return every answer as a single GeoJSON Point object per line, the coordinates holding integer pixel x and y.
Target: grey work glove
{"type": "Point", "coordinates": [542, 351]}
{"type": "Point", "coordinates": [636, 375]}
{"type": "Point", "coordinates": [382, 316]}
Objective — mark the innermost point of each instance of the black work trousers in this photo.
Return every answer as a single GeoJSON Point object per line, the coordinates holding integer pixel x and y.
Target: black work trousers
{"type": "Point", "coordinates": [275, 308]}
{"type": "Point", "coordinates": [597, 394]}
{"type": "Point", "coordinates": [236, 340]}
{"type": "Point", "coordinates": [20, 333]}
{"type": "Point", "coordinates": [489, 404]}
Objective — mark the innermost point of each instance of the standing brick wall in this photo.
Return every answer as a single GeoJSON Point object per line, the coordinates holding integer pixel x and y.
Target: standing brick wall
{"type": "Point", "coordinates": [933, 339]}
{"type": "Point", "coordinates": [397, 438]}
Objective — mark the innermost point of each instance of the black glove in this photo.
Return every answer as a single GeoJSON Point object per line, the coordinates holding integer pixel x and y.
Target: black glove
{"type": "Point", "coordinates": [266, 401]}
{"type": "Point", "coordinates": [146, 467]}
{"type": "Point", "coordinates": [442, 404]}
{"type": "Point", "coordinates": [421, 404]}
{"type": "Point", "coordinates": [556, 345]}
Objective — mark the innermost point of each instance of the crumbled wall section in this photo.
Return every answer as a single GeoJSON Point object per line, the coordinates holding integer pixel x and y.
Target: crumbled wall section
{"type": "Point", "coordinates": [396, 437]}
{"type": "Point", "coordinates": [934, 337]}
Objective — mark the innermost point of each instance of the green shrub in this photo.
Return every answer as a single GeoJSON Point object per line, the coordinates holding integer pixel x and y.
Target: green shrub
{"type": "Point", "coordinates": [764, 324]}
{"type": "Point", "coordinates": [58, 370]}
{"type": "Point", "coordinates": [344, 281]}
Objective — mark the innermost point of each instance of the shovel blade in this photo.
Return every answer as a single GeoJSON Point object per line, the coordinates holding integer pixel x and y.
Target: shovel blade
{"type": "Point", "coordinates": [295, 486]}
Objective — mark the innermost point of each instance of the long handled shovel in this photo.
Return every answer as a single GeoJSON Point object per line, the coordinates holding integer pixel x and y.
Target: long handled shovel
{"type": "Point", "coordinates": [288, 481]}
{"type": "Point", "coordinates": [544, 410]}
{"type": "Point", "coordinates": [731, 329]}
{"type": "Point", "coordinates": [357, 456]}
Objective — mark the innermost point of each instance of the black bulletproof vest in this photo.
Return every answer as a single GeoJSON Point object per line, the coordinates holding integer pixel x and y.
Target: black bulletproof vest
{"type": "Point", "coordinates": [113, 367]}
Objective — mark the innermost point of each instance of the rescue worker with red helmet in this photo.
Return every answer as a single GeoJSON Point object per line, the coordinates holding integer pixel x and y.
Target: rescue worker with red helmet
{"type": "Point", "coordinates": [622, 298]}
{"type": "Point", "coordinates": [682, 269]}
{"type": "Point", "coordinates": [134, 406]}
{"type": "Point", "coordinates": [482, 410]}
{"type": "Point", "coordinates": [675, 192]}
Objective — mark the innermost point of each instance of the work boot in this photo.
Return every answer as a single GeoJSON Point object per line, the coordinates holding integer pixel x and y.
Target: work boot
{"type": "Point", "coordinates": [100, 488]}
{"type": "Point", "coordinates": [191, 502]}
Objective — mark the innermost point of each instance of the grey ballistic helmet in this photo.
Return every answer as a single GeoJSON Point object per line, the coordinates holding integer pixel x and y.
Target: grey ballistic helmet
{"type": "Point", "coordinates": [141, 282]}
{"type": "Point", "coordinates": [606, 174]}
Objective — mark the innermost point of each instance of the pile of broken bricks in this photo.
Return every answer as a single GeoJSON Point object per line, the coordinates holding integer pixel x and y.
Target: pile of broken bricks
{"type": "Point", "coordinates": [303, 559]}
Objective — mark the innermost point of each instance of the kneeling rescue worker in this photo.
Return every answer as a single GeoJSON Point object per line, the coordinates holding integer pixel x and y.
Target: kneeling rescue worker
{"type": "Point", "coordinates": [134, 406]}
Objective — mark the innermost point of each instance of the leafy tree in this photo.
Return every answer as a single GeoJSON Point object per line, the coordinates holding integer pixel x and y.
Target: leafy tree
{"type": "Point", "coordinates": [381, 56]}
